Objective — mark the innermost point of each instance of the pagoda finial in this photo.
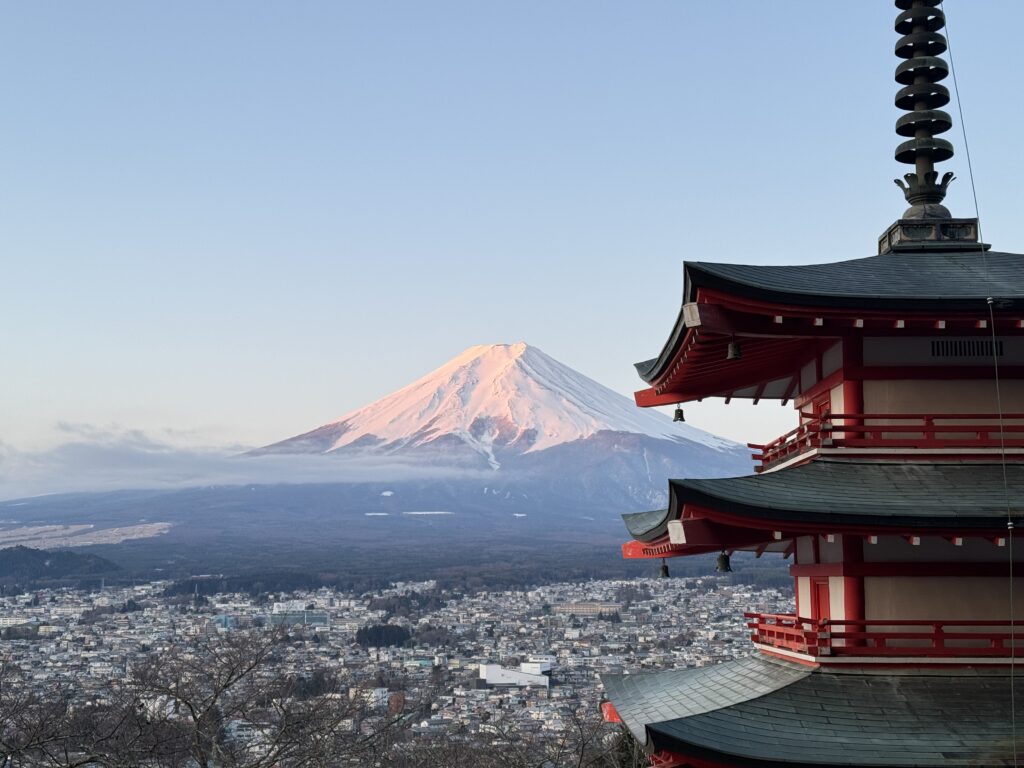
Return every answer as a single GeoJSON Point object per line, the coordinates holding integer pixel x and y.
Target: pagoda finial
{"type": "Point", "coordinates": [921, 95]}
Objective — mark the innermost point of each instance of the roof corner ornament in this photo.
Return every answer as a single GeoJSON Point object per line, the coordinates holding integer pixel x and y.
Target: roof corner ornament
{"type": "Point", "coordinates": [930, 192]}
{"type": "Point", "coordinates": [921, 95]}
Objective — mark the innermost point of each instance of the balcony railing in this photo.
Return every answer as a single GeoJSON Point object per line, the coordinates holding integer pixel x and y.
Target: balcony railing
{"type": "Point", "coordinates": [896, 432]}
{"type": "Point", "coordinates": [888, 637]}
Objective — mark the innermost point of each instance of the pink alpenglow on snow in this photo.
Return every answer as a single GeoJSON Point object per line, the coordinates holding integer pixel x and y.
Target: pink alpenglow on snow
{"type": "Point", "coordinates": [496, 399]}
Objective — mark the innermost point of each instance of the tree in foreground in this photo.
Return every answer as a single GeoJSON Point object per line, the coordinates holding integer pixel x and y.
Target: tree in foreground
{"type": "Point", "coordinates": [218, 703]}
{"type": "Point", "coordinates": [223, 702]}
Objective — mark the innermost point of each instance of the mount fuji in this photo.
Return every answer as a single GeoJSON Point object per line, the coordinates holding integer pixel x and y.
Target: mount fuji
{"type": "Point", "coordinates": [503, 457]}
{"type": "Point", "coordinates": [513, 409]}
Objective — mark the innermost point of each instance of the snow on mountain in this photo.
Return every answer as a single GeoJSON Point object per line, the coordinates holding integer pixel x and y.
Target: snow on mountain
{"type": "Point", "coordinates": [497, 400]}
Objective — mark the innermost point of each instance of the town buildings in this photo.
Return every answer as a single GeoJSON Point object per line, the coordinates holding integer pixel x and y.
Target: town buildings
{"type": "Point", "coordinates": [97, 639]}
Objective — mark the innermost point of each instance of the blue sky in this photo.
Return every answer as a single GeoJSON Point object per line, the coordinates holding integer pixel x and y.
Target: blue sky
{"type": "Point", "coordinates": [226, 223]}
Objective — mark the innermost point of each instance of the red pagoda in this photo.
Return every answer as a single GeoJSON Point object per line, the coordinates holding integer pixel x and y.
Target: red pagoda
{"type": "Point", "coordinates": [894, 496]}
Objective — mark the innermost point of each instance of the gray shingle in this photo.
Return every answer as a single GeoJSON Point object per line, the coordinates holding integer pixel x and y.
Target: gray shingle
{"type": "Point", "coordinates": [904, 278]}
{"type": "Point", "coordinates": [855, 491]}
{"type": "Point", "coordinates": [960, 281]}
{"type": "Point", "coordinates": [796, 716]}
{"type": "Point", "coordinates": [685, 692]}
{"type": "Point", "coordinates": [903, 495]}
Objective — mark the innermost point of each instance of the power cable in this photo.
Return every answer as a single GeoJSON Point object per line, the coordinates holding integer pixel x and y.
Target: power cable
{"type": "Point", "coordinates": [999, 402]}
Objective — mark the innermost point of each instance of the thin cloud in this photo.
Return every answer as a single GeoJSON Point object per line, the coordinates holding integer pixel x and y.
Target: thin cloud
{"type": "Point", "coordinates": [106, 459]}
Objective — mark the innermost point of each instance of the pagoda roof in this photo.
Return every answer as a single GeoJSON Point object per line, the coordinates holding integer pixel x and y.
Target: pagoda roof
{"type": "Point", "coordinates": [889, 281]}
{"type": "Point", "coordinates": [647, 526]}
{"type": "Point", "coordinates": [827, 493]}
{"type": "Point", "coordinates": [925, 281]}
{"type": "Point", "coordinates": [766, 711]}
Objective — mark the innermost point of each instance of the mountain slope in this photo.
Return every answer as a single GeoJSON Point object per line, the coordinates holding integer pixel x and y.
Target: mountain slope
{"type": "Point", "coordinates": [27, 563]}
{"type": "Point", "coordinates": [501, 454]}
{"type": "Point", "coordinates": [498, 402]}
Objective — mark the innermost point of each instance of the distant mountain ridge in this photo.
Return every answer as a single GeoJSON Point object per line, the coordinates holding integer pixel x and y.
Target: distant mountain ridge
{"type": "Point", "coordinates": [496, 402]}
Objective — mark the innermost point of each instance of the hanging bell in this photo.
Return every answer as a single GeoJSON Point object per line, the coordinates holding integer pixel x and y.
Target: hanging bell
{"type": "Point", "coordinates": [723, 565]}
{"type": "Point", "coordinates": [678, 416]}
{"type": "Point", "coordinates": [663, 571]}
{"type": "Point", "coordinates": [735, 352]}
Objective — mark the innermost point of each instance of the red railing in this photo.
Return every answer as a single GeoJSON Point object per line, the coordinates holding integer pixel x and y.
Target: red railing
{"type": "Point", "coordinates": [897, 431]}
{"type": "Point", "coordinates": [888, 637]}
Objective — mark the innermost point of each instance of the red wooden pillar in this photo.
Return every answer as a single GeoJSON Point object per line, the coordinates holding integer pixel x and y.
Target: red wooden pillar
{"type": "Point", "coordinates": [853, 586]}
{"type": "Point", "coordinates": [853, 384]}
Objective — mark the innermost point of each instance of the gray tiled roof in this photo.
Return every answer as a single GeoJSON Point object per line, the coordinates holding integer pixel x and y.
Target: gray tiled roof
{"type": "Point", "coordinates": [904, 495]}
{"type": "Point", "coordinates": [898, 493]}
{"type": "Point", "coordinates": [950, 280]}
{"type": "Point", "coordinates": [647, 526]}
{"type": "Point", "coordinates": [657, 696]}
{"type": "Point", "coordinates": [918, 281]}
{"type": "Point", "coordinates": [945, 718]}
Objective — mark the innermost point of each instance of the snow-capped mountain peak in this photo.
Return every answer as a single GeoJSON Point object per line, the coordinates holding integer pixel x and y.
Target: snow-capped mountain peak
{"type": "Point", "coordinates": [495, 399]}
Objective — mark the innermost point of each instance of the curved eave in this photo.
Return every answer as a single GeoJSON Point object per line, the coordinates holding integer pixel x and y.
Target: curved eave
{"type": "Point", "coordinates": [830, 519]}
{"type": "Point", "coordinates": [863, 718]}
{"type": "Point", "coordinates": [647, 526]}
{"type": "Point", "coordinates": [645, 698]}
{"type": "Point", "coordinates": [920, 283]}
{"type": "Point", "coordinates": [948, 282]}
{"type": "Point", "coordinates": [862, 498]}
{"type": "Point", "coordinates": [702, 369]}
